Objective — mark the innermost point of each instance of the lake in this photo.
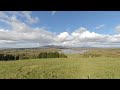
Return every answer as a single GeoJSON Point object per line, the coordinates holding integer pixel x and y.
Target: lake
{"type": "Point", "coordinates": [70, 51]}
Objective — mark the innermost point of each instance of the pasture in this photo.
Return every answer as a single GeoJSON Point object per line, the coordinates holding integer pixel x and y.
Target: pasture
{"type": "Point", "coordinates": [73, 67]}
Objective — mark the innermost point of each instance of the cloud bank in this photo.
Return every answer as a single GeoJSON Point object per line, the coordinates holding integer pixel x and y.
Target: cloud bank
{"type": "Point", "coordinates": [21, 34]}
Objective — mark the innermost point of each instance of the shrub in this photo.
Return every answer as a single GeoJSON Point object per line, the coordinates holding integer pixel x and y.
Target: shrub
{"type": "Point", "coordinates": [43, 54]}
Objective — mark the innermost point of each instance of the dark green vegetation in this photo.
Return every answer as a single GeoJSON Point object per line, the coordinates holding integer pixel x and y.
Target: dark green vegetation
{"type": "Point", "coordinates": [14, 54]}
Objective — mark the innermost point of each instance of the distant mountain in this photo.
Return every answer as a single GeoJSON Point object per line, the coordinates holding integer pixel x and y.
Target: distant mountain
{"type": "Point", "coordinates": [42, 47]}
{"type": "Point", "coordinates": [55, 46]}
{"type": "Point", "coordinates": [47, 46]}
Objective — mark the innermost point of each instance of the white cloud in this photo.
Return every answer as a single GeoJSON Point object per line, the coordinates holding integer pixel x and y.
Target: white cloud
{"type": "Point", "coordinates": [100, 26]}
{"type": "Point", "coordinates": [83, 37]}
{"type": "Point", "coordinates": [20, 32]}
{"type": "Point", "coordinates": [24, 14]}
{"type": "Point", "coordinates": [22, 35]}
{"type": "Point", "coordinates": [117, 28]}
{"type": "Point", "coordinates": [30, 19]}
{"type": "Point", "coordinates": [82, 34]}
{"type": "Point", "coordinates": [64, 36]}
{"type": "Point", "coordinates": [53, 12]}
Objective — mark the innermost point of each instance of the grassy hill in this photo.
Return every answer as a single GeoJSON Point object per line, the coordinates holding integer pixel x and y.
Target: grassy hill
{"type": "Point", "coordinates": [73, 67]}
{"type": "Point", "coordinates": [97, 63]}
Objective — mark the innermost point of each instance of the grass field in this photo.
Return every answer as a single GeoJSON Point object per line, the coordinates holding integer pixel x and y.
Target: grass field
{"type": "Point", "coordinates": [73, 67]}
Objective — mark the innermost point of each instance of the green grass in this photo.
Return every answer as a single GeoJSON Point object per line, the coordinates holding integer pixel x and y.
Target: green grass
{"type": "Point", "coordinates": [72, 67]}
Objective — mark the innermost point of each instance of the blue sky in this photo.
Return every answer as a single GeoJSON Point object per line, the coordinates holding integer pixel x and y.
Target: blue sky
{"type": "Point", "coordinates": [63, 20]}
{"type": "Point", "coordinates": [68, 28]}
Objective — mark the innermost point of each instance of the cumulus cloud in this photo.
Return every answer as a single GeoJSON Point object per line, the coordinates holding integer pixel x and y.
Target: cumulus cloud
{"type": "Point", "coordinates": [64, 36]}
{"type": "Point", "coordinates": [83, 37]}
{"type": "Point", "coordinates": [21, 34]}
{"type": "Point", "coordinates": [99, 26]}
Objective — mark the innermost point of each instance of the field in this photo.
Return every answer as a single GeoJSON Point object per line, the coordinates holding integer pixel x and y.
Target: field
{"type": "Point", "coordinates": [104, 66]}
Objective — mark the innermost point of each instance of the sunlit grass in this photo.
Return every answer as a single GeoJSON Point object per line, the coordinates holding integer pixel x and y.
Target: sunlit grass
{"type": "Point", "coordinates": [106, 66]}
{"type": "Point", "coordinates": [61, 68]}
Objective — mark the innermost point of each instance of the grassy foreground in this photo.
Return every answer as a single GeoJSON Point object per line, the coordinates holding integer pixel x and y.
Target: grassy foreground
{"type": "Point", "coordinates": [72, 67]}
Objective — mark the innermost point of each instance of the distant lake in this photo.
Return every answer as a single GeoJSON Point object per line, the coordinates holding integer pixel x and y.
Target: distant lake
{"type": "Point", "coordinates": [70, 51]}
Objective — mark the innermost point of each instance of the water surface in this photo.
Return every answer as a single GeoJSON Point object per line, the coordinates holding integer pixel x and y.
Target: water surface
{"type": "Point", "coordinates": [70, 51]}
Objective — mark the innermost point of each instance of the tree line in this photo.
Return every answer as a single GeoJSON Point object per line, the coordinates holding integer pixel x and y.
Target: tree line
{"type": "Point", "coordinates": [7, 57]}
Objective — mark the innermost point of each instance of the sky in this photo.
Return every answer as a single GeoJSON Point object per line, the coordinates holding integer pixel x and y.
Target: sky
{"type": "Point", "coordinates": [23, 29]}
